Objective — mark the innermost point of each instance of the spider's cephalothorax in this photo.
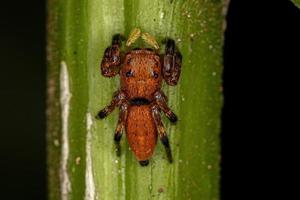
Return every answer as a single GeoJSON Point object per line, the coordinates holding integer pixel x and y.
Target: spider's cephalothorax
{"type": "Point", "coordinates": [140, 98]}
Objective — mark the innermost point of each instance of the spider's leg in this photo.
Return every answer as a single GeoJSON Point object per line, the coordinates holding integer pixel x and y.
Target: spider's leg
{"type": "Point", "coordinates": [171, 63]}
{"type": "Point", "coordinates": [110, 65]}
{"type": "Point", "coordinates": [120, 126]}
{"type": "Point", "coordinates": [161, 101]}
{"type": "Point", "coordinates": [162, 132]}
{"type": "Point", "coordinates": [118, 98]}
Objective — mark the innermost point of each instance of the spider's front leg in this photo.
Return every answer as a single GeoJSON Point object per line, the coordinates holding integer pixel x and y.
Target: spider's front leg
{"type": "Point", "coordinates": [161, 101]}
{"type": "Point", "coordinates": [110, 65]}
{"type": "Point", "coordinates": [120, 126]}
{"type": "Point", "coordinates": [171, 63]}
{"type": "Point", "coordinates": [162, 131]}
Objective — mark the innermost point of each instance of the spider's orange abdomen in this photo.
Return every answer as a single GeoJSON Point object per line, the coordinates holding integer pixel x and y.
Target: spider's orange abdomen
{"type": "Point", "coordinates": [141, 131]}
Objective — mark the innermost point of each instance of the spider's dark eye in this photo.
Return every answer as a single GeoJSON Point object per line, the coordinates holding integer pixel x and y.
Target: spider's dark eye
{"type": "Point", "coordinates": [129, 73]}
{"type": "Point", "coordinates": [155, 75]}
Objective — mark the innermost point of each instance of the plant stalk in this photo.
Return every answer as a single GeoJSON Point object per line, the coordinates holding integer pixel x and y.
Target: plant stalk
{"type": "Point", "coordinates": [82, 162]}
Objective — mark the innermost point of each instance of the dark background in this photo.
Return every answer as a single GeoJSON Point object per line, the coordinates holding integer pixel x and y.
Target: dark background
{"type": "Point", "coordinates": [261, 57]}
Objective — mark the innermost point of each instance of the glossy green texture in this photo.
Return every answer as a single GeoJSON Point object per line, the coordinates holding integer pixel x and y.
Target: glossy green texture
{"type": "Point", "coordinates": [78, 33]}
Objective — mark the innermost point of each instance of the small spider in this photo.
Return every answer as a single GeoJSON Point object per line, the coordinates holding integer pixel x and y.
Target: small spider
{"type": "Point", "coordinates": [140, 98]}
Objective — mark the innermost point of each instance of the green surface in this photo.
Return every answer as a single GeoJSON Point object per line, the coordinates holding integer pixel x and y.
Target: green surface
{"type": "Point", "coordinates": [78, 33]}
{"type": "Point", "coordinates": [297, 2]}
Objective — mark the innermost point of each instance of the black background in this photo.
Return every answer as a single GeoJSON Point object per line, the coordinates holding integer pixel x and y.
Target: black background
{"type": "Point", "coordinates": [260, 82]}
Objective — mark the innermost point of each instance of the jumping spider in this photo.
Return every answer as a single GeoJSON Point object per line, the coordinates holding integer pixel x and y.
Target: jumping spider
{"type": "Point", "coordinates": [140, 98]}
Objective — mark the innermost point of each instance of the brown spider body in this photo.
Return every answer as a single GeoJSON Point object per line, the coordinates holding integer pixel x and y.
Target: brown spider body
{"type": "Point", "coordinates": [141, 85]}
{"type": "Point", "coordinates": [140, 98]}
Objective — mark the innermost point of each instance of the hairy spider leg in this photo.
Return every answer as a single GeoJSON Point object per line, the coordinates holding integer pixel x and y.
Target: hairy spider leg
{"type": "Point", "coordinates": [120, 126]}
{"type": "Point", "coordinates": [161, 100]}
{"type": "Point", "coordinates": [162, 132]}
{"type": "Point", "coordinates": [118, 98]}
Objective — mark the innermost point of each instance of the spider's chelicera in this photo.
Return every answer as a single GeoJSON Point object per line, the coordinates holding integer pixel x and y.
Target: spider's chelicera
{"type": "Point", "coordinates": [140, 98]}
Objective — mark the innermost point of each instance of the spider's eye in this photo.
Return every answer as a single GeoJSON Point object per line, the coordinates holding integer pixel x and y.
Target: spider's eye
{"type": "Point", "coordinates": [129, 73]}
{"type": "Point", "coordinates": [155, 75]}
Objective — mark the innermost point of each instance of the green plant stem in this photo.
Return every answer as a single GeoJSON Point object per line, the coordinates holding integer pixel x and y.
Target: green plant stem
{"type": "Point", "coordinates": [81, 155]}
{"type": "Point", "coordinates": [297, 3]}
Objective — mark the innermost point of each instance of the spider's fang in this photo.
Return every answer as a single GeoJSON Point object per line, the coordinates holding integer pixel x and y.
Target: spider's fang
{"type": "Point", "coordinates": [133, 36]}
{"type": "Point", "coordinates": [149, 39]}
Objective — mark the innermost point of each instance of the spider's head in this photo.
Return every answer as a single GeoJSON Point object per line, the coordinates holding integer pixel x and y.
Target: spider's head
{"type": "Point", "coordinates": [141, 74]}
